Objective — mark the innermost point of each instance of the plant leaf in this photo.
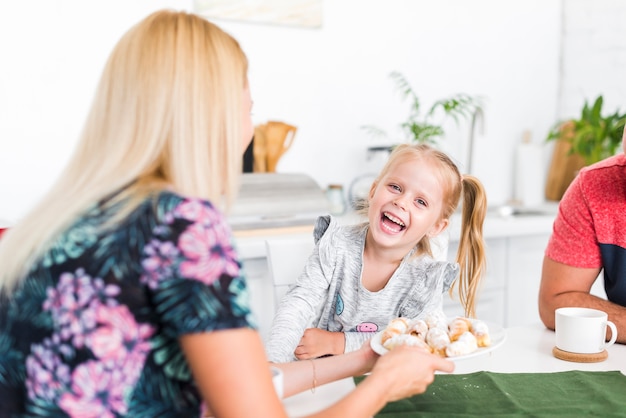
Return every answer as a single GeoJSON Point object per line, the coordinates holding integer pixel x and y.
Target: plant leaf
{"type": "Point", "coordinates": [429, 128]}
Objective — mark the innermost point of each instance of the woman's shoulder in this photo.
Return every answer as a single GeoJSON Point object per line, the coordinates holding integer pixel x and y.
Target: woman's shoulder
{"type": "Point", "coordinates": [168, 205]}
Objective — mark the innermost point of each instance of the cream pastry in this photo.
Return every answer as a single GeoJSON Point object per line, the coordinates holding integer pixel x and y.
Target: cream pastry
{"type": "Point", "coordinates": [397, 326]}
{"type": "Point", "coordinates": [465, 344]}
{"type": "Point", "coordinates": [461, 336]}
{"type": "Point", "coordinates": [457, 327]}
{"type": "Point", "coordinates": [418, 328]}
{"type": "Point", "coordinates": [406, 339]}
{"type": "Point", "coordinates": [481, 332]}
{"type": "Point", "coordinates": [436, 320]}
{"type": "Point", "coordinates": [438, 339]}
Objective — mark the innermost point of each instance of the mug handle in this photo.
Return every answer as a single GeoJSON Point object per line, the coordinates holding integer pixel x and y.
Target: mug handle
{"type": "Point", "coordinates": [613, 334]}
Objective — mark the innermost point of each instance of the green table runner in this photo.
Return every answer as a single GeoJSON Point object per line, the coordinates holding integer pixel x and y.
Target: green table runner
{"type": "Point", "coordinates": [488, 394]}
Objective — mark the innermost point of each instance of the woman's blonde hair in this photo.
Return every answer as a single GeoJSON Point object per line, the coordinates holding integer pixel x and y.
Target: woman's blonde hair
{"type": "Point", "coordinates": [471, 252]}
{"type": "Point", "coordinates": [167, 113]}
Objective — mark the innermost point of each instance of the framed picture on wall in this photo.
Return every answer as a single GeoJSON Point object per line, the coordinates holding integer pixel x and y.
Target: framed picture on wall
{"type": "Point", "coordinates": [302, 13]}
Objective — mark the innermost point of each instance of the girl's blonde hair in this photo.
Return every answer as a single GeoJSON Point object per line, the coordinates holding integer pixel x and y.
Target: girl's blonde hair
{"type": "Point", "coordinates": [167, 113]}
{"type": "Point", "coordinates": [471, 252]}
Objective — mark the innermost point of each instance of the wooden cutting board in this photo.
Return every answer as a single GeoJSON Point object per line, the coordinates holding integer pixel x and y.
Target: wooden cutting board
{"type": "Point", "coordinates": [563, 168]}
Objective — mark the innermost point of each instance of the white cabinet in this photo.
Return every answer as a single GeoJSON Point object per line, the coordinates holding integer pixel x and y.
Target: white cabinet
{"type": "Point", "coordinates": [251, 250]}
{"type": "Point", "coordinates": [491, 298]}
{"type": "Point", "coordinates": [524, 260]}
{"type": "Point", "coordinates": [510, 288]}
{"type": "Point", "coordinates": [261, 292]}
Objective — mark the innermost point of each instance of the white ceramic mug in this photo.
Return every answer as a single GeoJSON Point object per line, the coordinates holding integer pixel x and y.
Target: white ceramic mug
{"type": "Point", "coordinates": [583, 330]}
{"type": "Point", "coordinates": [277, 378]}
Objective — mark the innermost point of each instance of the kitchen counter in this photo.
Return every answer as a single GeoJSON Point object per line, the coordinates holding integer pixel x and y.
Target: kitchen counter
{"type": "Point", "coordinates": [537, 221]}
{"type": "Point", "coordinates": [497, 226]}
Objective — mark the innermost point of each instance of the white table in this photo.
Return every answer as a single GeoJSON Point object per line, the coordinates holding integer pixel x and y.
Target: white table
{"type": "Point", "coordinates": [526, 349]}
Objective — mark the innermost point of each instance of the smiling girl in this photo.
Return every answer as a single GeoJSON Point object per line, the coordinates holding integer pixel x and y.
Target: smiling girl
{"type": "Point", "coordinates": [359, 277]}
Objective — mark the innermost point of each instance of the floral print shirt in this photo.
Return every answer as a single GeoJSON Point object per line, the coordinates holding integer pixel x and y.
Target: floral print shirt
{"type": "Point", "coordinates": [93, 329]}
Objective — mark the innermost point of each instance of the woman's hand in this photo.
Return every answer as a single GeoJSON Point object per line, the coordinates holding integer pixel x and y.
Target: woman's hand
{"type": "Point", "coordinates": [406, 371]}
{"type": "Point", "coordinates": [402, 372]}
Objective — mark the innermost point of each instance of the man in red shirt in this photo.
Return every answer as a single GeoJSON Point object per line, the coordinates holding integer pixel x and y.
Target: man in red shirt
{"type": "Point", "coordinates": [588, 236]}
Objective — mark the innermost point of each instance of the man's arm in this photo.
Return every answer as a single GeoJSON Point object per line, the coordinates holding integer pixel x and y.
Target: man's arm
{"type": "Point", "coordinates": [563, 285]}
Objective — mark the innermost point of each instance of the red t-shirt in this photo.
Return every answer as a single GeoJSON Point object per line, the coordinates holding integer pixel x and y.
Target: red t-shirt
{"type": "Point", "coordinates": [590, 228]}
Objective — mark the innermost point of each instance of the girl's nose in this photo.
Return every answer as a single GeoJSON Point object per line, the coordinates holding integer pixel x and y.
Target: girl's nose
{"type": "Point", "coordinates": [400, 202]}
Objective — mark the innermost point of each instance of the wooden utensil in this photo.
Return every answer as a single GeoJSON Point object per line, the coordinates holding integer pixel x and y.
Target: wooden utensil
{"type": "Point", "coordinates": [279, 137]}
{"type": "Point", "coordinates": [259, 149]}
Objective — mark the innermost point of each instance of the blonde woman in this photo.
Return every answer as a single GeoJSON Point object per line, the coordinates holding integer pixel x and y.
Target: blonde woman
{"type": "Point", "coordinates": [121, 293]}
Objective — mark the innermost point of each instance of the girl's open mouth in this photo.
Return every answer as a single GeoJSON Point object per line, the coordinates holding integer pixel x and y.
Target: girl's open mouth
{"type": "Point", "coordinates": [392, 223]}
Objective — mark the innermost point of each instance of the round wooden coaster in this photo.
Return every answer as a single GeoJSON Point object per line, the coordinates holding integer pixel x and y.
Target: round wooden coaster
{"type": "Point", "coordinates": [579, 358]}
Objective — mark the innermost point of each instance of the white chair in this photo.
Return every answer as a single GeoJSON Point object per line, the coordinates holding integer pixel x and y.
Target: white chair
{"type": "Point", "coordinates": [286, 258]}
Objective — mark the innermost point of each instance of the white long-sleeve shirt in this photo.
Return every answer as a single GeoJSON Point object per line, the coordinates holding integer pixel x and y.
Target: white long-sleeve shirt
{"type": "Point", "coordinates": [329, 295]}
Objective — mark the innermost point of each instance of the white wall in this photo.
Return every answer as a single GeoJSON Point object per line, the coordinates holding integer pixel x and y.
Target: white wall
{"type": "Point", "coordinates": [594, 55]}
{"type": "Point", "coordinates": [328, 82]}
{"type": "Point", "coordinates": [52, 53]}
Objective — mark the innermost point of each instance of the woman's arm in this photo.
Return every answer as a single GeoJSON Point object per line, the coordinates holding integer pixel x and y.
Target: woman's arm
{"type": "Point", "coordinates": [229, 363]}
{"type": "Point", "coordinates": [232, 373]}
{"type": "Point", "coordinates": [299, 375]}
{"type": "Point", "coordinates": [403, 372]}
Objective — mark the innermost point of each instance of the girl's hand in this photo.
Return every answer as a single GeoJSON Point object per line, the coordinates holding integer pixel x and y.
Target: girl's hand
{"type": "Point", "coordinates": [317, 342]}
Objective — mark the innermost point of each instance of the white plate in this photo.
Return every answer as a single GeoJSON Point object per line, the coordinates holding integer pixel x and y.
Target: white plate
{"type": "Point", "coordinates": [496, 332]}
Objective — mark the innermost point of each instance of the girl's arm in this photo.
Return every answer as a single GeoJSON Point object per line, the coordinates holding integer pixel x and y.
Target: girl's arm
{"type": "Point", "coordinates": [318, 342]}
{"type": "Point", "coordinates": [354, 340]}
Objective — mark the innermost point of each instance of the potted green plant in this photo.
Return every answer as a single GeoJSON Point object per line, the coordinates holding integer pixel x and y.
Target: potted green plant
{"type": "Point", "coordinates": [592, 136]}
{"type": "Point", "coordinates": [427, 127]}
{"type": "Point", "coordinates": [580, 142]}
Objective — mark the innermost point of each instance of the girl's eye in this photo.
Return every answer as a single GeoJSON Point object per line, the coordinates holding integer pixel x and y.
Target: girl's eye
{"type": "Point", "coordinates": [394, 187]}
{"type": "Point", "coordinates": [421, 202]}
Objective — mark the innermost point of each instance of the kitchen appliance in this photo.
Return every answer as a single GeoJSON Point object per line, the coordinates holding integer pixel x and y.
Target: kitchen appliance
{"type": "Point", "coordinates": [274, 200]}
{"type": "Point", "coordinates": [360, 187]}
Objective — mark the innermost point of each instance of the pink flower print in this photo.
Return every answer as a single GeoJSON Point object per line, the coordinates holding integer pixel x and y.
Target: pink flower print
{"type": "Point", "coordinates": [96, 393]}
{"type": "Point", "coordinates": [73, 301]}
{"type": "Point", "coordinates": [118, 335]}
{"type": "Point", "coordinates": [159, 262]}
{"type": "Point", "coordinates": [47, 376]}
{"type": "Point", "coordinates": [106, 343]}
{"type": "Point", "coordinates": [121, 346]}
{"type": "Point", "coordinates": [196, 210]}
{"type": "Point", "coordinates": [208, 254]}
